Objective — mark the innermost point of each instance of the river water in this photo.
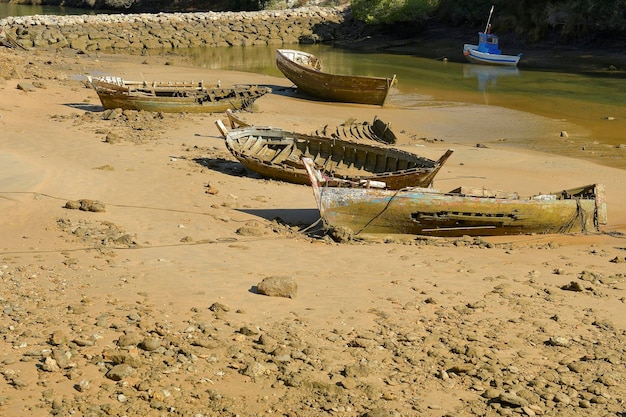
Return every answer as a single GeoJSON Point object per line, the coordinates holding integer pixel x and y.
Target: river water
{"type": "Point", "coordinates": [12, 9]}
{"type": "Point", "coordinates": [596, 104]}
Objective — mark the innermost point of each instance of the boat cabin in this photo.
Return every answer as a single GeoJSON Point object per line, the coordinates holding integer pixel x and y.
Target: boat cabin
{"type": "Point", "coordinates": [488, 43]}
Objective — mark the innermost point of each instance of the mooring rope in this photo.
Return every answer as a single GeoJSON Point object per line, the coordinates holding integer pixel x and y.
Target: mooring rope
{"type": "Point", "coordinates": [381, 212]}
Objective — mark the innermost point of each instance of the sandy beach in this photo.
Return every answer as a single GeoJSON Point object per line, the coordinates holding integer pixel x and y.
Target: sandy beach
{"type": "Point", "coordinates": [151, 307]}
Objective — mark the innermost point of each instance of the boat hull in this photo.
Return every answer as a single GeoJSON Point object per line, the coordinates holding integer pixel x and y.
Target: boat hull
{"type": "Point", "coordinates": [304, 70]}
{"type": "Point", "coordinates": [277, 154]}
{"type": "Point", "coordinates": [176, 99]}
{"type": "Point", "coordinates": [474, 56]}
{"type": "Point", "coordinates": [433, 213]}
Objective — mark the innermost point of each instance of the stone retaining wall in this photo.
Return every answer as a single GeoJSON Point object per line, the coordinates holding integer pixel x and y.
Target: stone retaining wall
{"type": "Point", "coordinates": [182, 30]}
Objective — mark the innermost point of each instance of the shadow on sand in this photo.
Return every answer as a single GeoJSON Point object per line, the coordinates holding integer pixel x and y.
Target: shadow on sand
{"type": "Point", "coordinates": [292, 217]}
{"type": "Point", "coordinates": [86, 107]}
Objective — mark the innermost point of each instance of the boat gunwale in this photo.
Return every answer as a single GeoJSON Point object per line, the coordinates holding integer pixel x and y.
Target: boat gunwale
{"type": "Point", "coordinates": [341, 76]}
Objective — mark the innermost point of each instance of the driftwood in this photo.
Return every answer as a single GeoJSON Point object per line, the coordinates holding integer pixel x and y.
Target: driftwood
{"type": "Point", "coordinates": [8, 41]}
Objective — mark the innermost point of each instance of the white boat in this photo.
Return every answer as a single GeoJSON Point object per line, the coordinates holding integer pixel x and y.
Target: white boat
{"type": "Point", "coordinates": [488, 55]}
{"type": "Point", "coordinates": [487, 50]}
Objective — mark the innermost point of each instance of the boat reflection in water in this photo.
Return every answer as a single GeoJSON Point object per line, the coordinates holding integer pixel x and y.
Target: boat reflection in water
{"type": "Point", "coordinates": [488, 75]}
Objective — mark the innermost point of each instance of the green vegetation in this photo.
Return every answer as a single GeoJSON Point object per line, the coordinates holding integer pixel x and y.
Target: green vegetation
{"type": "Point", "coordinates": [393, 11]}
{"type": "Point", "coordinates": [530, 18]}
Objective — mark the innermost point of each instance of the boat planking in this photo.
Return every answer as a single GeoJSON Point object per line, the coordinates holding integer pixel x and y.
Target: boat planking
{"type": "Point", "coordinates": [174, 97]}
{"type": "Point", "coordinates": [305, 71]}
{"type": "Point", "coordinates": [462, 211]}
{"type": "Point", "coordinates": [276, 153]}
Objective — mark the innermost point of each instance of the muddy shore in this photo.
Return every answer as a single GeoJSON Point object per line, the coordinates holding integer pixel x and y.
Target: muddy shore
{"type": "Point", "coordinates": [151, 307]}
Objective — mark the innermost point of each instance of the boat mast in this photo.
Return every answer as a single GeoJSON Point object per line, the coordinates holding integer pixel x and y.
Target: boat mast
{"type": "Point", "coordinates": [489, 20]}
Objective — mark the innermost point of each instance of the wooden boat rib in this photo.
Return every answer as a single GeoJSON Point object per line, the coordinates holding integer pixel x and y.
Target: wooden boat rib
{"type": "Point", "coordinates": [463, 211]}
{"type": "Point", "coordinates": [305, 71]}
{"type": "Point", "coordinates": [277, 154]}
{"type": "Point", "coordinates": [377, 131]}
{"type": "Point", "coordinates": [174, 97]}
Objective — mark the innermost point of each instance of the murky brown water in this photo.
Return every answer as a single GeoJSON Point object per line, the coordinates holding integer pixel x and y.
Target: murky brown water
{"type": "Point", "coordinates": [595, 104]}
{"type": "Point", "coordinates": [14, 9]}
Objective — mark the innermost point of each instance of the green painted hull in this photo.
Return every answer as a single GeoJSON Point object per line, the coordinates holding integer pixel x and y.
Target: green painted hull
{"type": "Point", "coordinates": [425, 211]}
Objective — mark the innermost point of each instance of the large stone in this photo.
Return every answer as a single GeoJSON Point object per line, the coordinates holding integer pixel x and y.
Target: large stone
{"type": "Point", "coordinates": [512, 399]}
{"type": "Point", "coordinates": [119, 372]}
{"type": "Point", "coordinates": [129, 339]}
{"type": "Point", "coordinates": [183, 30]}
{"type": "Point", "coordinates": [278, 287]}
{"type": "Point", "coordinates": [26, 86]}
{"type": "Point", "coordinates": [80, 43]}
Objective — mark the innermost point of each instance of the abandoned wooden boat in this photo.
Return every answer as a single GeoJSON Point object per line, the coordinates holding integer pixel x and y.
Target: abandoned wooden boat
{"type": "Point", "coordinates": [277, 154]}
{"type": "Point", "coordinates": [487, 50]}
{"type": "Point", "coordinates": [305, 71]}
{"type": "Point", "coordinates": [174, 97]}
{"type": "Point", "coordinates": [377, 131]}
{"type": "Point", "coordinates": [463, 211]}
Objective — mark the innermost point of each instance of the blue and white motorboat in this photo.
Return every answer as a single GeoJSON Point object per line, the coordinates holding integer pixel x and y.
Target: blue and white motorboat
{"type": "Point", "coordinates": [487, 51]}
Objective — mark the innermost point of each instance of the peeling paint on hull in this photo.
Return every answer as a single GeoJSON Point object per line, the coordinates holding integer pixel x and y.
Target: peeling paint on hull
{"type": "Point", "coordinates": [426, 211]}
{"type": "Point", "coordinates": [173, 98]}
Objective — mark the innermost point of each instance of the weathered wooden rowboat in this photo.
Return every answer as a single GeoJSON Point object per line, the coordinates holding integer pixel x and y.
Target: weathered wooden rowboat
{"type": "Point", "coordinates": [174, 97]}
{"type": "Point", "coordinates": [463, 211]}
{"type": "Point", "coordinates": [305, 71]}
{"type": "Point", "coordinates": [378, 130]}
{"type": "Point", "coordinates": [277, 153]}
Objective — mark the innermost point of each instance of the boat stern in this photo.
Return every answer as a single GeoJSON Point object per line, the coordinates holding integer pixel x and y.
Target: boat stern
{"type": "Point", "coordinates": [601, 212]}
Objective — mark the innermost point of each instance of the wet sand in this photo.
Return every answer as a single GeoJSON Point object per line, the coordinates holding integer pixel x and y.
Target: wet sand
{"type": "Point", "coordinates": [152, 307]}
